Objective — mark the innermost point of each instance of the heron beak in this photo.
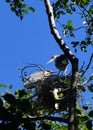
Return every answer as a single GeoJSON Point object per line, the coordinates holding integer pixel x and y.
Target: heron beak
{"type": "Point", "coordinates": [51, 60]}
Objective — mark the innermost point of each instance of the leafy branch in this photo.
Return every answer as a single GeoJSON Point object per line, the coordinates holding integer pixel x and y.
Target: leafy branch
{"type": "Point", "coordinates": [51, 118]}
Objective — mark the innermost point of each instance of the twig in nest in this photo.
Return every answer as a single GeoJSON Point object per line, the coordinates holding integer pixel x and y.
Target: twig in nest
{"type": "Point", "coordinates": [31, 66]}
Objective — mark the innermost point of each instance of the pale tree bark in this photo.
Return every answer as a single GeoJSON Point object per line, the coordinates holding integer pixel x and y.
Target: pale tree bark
{"type": "Point", "coordinates": [73, 60]}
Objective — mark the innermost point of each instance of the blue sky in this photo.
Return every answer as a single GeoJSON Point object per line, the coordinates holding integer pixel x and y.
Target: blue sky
{"type": "Point", "coordinates": [28, 41]}
{"type": "Point", "coordinates": [23, 41]}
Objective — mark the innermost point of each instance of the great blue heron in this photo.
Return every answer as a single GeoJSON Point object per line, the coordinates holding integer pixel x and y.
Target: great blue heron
{"type": "Point", "coordinates": [61, 62]}
{"type": "Point", "coordinates": [37, 78]}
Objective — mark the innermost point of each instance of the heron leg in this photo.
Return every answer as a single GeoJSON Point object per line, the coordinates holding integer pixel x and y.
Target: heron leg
{"type": "Point", "coordinates": [59, 73]}
{"type": "Point", "coordinates": [65, 71]}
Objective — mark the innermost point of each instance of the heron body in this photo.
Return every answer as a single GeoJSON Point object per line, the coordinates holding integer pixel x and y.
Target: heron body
{"type": "Point", "coordinates": [61, 62]}
{"type": "Point", "coordinates": [36, 78]}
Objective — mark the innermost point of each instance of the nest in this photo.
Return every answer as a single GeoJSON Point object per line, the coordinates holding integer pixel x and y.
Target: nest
{"type": "Point", "coordinates": [46, 96]}
{"type": "Point", "coordinates": [45, 85]}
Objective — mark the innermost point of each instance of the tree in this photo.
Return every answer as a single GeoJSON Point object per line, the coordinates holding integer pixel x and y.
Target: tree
{"type": "Point", "coordinates": [25, 110]}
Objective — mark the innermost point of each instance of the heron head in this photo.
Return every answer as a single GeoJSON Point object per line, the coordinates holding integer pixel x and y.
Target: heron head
{"type": "Point", "coordinates": [53, 58]}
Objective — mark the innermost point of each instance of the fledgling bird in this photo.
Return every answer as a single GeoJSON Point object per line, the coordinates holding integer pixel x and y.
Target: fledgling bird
{"type": "Point", "coordinates": [61, 62]}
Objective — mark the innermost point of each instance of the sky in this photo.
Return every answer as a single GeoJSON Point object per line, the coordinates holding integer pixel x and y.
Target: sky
{"type": "Point", "coordinates": [27, 41]}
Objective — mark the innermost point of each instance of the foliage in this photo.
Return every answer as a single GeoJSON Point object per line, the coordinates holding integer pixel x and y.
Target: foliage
{"type": "Point", "coordinates": [19, 7]}
{"type": "Point", "coordinates": [18, 112]}
{"type": "Point", "coordinates": [21, 109]}
{"type": "Point", "coordinates": [14, 109]}
{"type": "Point", "coordinates": [34, 108]}
{"type": "Point", "coordinates": [82, 9]}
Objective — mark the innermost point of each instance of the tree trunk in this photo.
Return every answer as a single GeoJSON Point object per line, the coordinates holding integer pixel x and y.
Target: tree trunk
{"type": "Point", "coordinates": [72, 103]}
{"type": "Point", "coordinates": [72, 95]}
{"type": "Point", "coordinates": [72, 59]}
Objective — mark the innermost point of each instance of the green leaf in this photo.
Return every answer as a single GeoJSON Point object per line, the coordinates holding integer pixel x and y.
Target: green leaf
{"type": "Point", "coordinates": [81, 79]}
{"type": "Point", "coordinates": [90, 87]}
{"type": "Point", "coordinates": [75, 43]}
{"type": "Point", "coordinates": [80, 87]}
{"type": "Point", "coordinates": [9, 98]}
{"type": "Point", "coordinates": [25, 11]}
{"type": "Point", "coordinates": [10, 86]}
{"type": "Point", "coordinates": [89, 124]}
{"type": "Point", "coordinates": [85, 107]}
{"type": "Point", "coordinates": [72, 34]}
{"type": "Point", "coordinates": [83, 48]}
{"type": "Point", "coordinates": [70, 25]}
{"type": "Point", "coordinates": [85, 1]}
{"type": "Point", "coordinates": [2, 86]}
{"type": "Point", "coordinates": [22, 93]}
{"type": "Point", "coordinates": [45, 126]}
{"type": "Point", "coordinates": [83, 118]}
{"type": "Point", "coordinates": [24, 5]}
{"type": "Point", "coordinates": [13, 9]}
{"type": "Point", "coordinates": [60, 95]}
{"type": "Point", "coordinates": [31, 9]}
{"type": "Point", "coordinates": [91, 114]}
{"type": "Point", "coordinates": [8, 1]}
{"type": "Point", "coordinates": [78, 111]}
{"type": "Point", "coordinates": [1, 103]}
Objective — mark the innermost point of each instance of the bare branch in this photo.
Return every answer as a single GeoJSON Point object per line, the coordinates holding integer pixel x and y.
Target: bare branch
{"type": "Point", "coordinates": [87, 67]}
{"type": "Point", "coordinates": [84, 83]}
{"type": "Point", "coordinates": [75, 29]}
{"type": "Point", "coordinates": [30, 66]}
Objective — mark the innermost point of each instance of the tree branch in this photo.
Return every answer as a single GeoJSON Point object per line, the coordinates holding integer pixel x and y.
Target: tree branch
{"type": "Point", "coordinates": [88, 65]}
{"type": "Point", "coordinates": [72, 59]}
{"type": "Point", "coordinates": [55, 32]}
{"type": "Point", "coordinates": [51, 118]}
{"type": "Point", "coordinates": [84, 83]}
